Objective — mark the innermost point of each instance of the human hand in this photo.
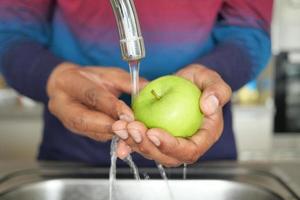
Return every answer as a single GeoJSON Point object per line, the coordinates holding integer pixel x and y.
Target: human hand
{"type": "Point", "coordinates": [86, 100]}
{"type": "Point", "coordinates": [170, 151]}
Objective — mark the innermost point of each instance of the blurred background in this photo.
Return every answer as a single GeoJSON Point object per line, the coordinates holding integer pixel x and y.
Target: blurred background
{"type": "Point", "coordinates": [266, 111]}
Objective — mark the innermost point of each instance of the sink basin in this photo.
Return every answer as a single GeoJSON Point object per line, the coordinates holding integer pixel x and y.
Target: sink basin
{"type": "Point", "coordinates": [84, 189]}
{"type": "Point", "coordinates": [92, 184]}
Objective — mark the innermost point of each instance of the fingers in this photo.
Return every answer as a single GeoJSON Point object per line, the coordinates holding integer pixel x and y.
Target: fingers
{"type": "Point", "coordinates": [120, 129]}
{"type": "Point", "coordinates": [124, 112]}
{"type": "Point", "coordinates": [124, 84]}
{"type": "Point", "coordinates": [141, 144]}
{"type": "Point", "coordinates": [123, 150]}
{"type": "Point", "coordinates": [182, 149]}
{"type": "Point", "coordinates": [136, 130]}
{"type": "Point", "coordinates": [116, 77]}
{"type": "Point", "coordinates": [87, 92]}
{"type": "Point", "coordinates": [178, 148]}
{"type": "Point", "coordinates": [189, 150]}
{"type": "Point", "coordinates": [156, 144]}
{"type": "Point", "coordinates": [215, 92]}
{"type": "Point", "coordinates": [215, 95]}
{"type": "Point", "coordinates": [97, 88]}
{"type": "Point", "coordinates": [138, 142]}
{"type": "Point", "coordinates": [211, 83]}
{"type": "Point", "coordinates": [81, 120]}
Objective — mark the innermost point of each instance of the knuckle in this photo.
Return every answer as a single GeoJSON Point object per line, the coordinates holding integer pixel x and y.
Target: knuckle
{"type": "Point", "coordinates": [192, 157]}
{"type": "Point", "coordinates": [212, 73]}
{"type": "Point", "coordinates": [165, 149]}
{"type": "Point", "coordinates": [51, 106]}
{"type": "Point", "coordinates": [215, 74]}
{"type": "Point", "coordinates": [223, 91]}
{"type": "Point", "coordinates": [61, 79]}
{"type": "Point", "coordinates": [91, 97]}
{"type": "Point", "coordinates": [113, 101]}
{"type": "Point", "coordinates": [228, 88]}
{"type": "Point", "coordinates": [225, 88]}
{"type": "Point", "coordinates": [170, 148]}
{"type": "Point", "coordinates": [144, 150]}
{"type": "Point", "coordinates": [78, 123]}
{"type": "Point", "coordinates": [106, 128]}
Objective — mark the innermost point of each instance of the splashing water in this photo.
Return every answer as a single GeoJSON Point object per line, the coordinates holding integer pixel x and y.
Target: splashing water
{"type": "Point", "coordinates": [113, 166]}
{"type": "Point", "coordinates": [112, 171]}
{"type": "Point", "coordinates": [146, 176]}
{"type": "Point", "coordinates": [133, 167]}
{"type": "Point", "coordinates": [134, 72]}
{"type": "Point", "coordinates": [165, 178]}
{"type": "Point", "coordinates": [162, 171]}
{"type": "Point", "coordinates": [184, 170]}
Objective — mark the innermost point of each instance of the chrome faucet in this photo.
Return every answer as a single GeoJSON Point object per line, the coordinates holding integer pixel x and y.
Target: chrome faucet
{"type": "Point", "coordinates": [131, 40]}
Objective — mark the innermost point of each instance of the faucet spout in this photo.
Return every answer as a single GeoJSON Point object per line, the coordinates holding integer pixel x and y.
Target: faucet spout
{"type": "Point", "coordinates": [131, 40]}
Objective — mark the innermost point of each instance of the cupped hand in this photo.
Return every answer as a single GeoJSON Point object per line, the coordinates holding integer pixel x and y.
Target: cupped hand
{"type": "Point", "coordinates": [158, 145]}
{"type": "Point", "coordinates": [85, 99]}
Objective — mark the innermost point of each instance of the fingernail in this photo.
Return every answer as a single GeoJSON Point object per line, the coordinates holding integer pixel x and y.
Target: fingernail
{"type": "Point", "coordinates": [154, 140]}
{"type": "Point", "coordinates": [122, 134]}
{"type": "Point", "coordinates": [136, 135]}
{"type": "Point", "coordinates": [212, 104]}
{"type": "Point", "coordinates": [126, 118]}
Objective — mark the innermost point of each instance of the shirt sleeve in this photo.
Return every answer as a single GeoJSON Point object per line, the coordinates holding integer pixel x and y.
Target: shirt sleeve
{"type": "Point", "coordinates": [242, 39]}
{"type": "Point", "coordinates": [25, 60]}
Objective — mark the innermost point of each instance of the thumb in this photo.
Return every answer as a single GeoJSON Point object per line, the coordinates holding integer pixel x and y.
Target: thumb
{"type": "Point", "coordinates": [209, 104]}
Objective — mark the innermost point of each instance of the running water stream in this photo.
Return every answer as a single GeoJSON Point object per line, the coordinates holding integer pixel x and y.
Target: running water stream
{"type": "Point", "coordinates": [134, 72]}
{"type": "Point", "coordinates": [133, 167]}
{"type": "Point", "coordinates": [163, 174]}
{"type": "Point", "coordinates": [112, 171]}
{"type": "Point", "coordinates": [134, 67]}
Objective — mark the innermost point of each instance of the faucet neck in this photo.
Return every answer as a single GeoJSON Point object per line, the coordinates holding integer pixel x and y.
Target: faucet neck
{"type": "Point", "coordinates": [131, 40]}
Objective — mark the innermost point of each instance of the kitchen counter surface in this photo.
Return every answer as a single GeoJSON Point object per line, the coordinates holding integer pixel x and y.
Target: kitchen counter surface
{"type": "Point", "coordinates": [287, 171]}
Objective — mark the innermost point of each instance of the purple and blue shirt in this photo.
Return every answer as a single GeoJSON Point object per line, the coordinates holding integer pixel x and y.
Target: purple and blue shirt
{"type": "Point", "coordinates": [228, 36]}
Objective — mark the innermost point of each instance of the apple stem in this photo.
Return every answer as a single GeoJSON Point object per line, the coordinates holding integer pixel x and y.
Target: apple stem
{"type": "Point", "coordinates": [155, 95]}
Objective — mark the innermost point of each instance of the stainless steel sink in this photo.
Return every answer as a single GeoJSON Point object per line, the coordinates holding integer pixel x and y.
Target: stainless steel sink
{"type": "Point", "coordinates": [87, 189]}
{"type": "Point", "coordinates": [86, 183]}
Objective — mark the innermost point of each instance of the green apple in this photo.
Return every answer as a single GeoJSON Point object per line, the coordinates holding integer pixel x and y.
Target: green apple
{"type": "Point", "coordinates": [171, 103]}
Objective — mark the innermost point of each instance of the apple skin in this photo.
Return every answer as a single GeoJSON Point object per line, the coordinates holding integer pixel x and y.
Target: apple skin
{"type": "Point", "coordinates": [175, 109]}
